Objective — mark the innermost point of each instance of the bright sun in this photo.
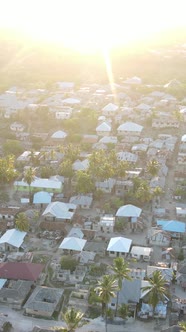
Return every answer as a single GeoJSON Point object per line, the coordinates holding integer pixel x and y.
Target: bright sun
{"type": "Point", "coordinates": [88, 25]}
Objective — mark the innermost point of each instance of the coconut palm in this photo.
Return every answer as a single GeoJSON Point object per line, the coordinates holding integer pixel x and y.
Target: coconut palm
{"type": "Point", "coordinates": [183, 326]}
{"type": "Point", "coordinates": [156, 289]}
{"type": "Point", "coordinates": [121, 271]}
{"type": "Point", "coordinates": [72, 319]}
{"type": "Point", "coordinates": [29, 177]}
{"type": "Point", "coordinates": [106, 289]}
{"type": "Point", "coordinates": [153, 167]}
{"type": "Point", "coordinates": [21, 222]}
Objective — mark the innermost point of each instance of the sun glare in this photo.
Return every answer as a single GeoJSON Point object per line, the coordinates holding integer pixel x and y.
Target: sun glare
{"type": "Point", "coordinates": [88, 25]}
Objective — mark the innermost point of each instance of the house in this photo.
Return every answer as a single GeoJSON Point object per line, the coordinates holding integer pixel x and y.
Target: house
{"type": "Point", "coordinates": [20, 271]}
{"type": "Point", "coordinates": [166, 272]}
{"type": "Point", "coordinates": [143, 253]}
{"type": "Point", "coordinates": [17, 127]}
{"type": "Point", "coordinates": [44, 301]}
{"type": "Point", "coordinates": [122, 187]}
{"type": "Point", "coordinates": [104, 129]}
{"type": "Point", "coordinates": [71, 101]}
{"type": "Point", "coordinates": [130, 128]}
{"type": "Point", "coordinates": [165, 122]}
{"type": "Point", "coordinates": [49, 185]}
{"type": "Point", "coordinates": [174, 227]}
{"type": "Point", "coordinates": [129, 294]}
{"type": "Point", "coordinates": [181, 159]}
{"type": "Point", "coordinates": [106, 186]}
{"type": "Point", "coordinates": [181, 212]}
{"type": "Point", "coordinates": [15, 292]}
{"type": "Point", "coordinates": [9, 213]}
{"type": "Point", "coordinates": [158, 237]}
{"type": "Point", "coordinates": [63, 113]}
{"type": "Point", "coordinates": [119, 246]}
{"type": "Point", "coordinates": [106, 224]}
{"type": "Point", "coordinates": [59, 211]}
{"type": "Point", "coordinates": [110, 109]}
{"type": "Point", "coordinates": [82, 201]}
{"type": "Point", "coordinates": [108, 140]}
{"type": "Point", "coordinates": [76, 232]}
{"type": "Point", "coordinates": [12, 240]}
{"type": "Point", "coordinates": [42, 197]}
{"type": "Point", "coordinates": [59, 135]}
{"type": "Point", "coordinates": [181, 276]}
{"type": "Point", "coordinates": [71, 244]}
{"type": "Point", "coordinates": [127, 156]}
{"type": "Point", "coordinates": [133, 81]}
{"type": "Point", "coordinates": [80, 165]}
{"type": "Point", "coordinates": [129, 211]}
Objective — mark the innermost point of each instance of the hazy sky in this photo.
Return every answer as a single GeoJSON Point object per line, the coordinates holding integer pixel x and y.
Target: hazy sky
{"type": "Point", "coordinates": [90, 23]}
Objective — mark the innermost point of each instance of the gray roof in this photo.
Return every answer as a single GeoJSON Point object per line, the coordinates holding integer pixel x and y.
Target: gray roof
{"type": "Point", "coordinates": [44, 299]}
{"type": "Point", "coordinates": [130, 292]}
{"type": "Point", "coordinates": [16, 290]}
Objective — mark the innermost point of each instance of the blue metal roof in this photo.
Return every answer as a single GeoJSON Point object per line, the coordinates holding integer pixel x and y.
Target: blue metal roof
{"type": "Point", "coordinates": [172, 226]}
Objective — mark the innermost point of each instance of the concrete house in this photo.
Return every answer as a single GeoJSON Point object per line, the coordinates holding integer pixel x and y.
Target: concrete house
{"type": "Point", "coordinates": [82, 201]}
{"type": "Point", "coordinates": [44, 301]}
{"type": "Point", "coordinates": [110, 109]}
{"type": "Point", "coordinates": [106, 224]}
{"type": "Point", "coordinates": [104, 129]}
{"type": "Point", "coordinates": [119, 246]}
{"type": "Point", "coordinates": [15, 292]}
{"type": "Point", "coordinates": [130, 128]}
{"type": "Point", "coordinates": [39, 184]}
{"type": "Point", "coordinates": [59, 211]}
{"type": "Point", "coordinates": [12, 240]}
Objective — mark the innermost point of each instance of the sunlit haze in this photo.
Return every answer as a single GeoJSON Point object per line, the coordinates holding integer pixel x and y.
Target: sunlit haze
{"type": "Point", "coordinates": [88, 25]}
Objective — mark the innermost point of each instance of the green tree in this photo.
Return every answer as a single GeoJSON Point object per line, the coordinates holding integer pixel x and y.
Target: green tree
{"type": "Point", "coordinates": [157, 289]}
{"type": "Point", "coordinates": [21, 222]}
{"type": "Point", "coordinates": [123, 311]}
{"type": "Point", "coordinates": [106, 290]}
{"type": "Point", "coordinates": [71, 152]}
{"type": "Point", "coordinates": [29, 177]}
{"type": "Point", "coordinates": [183, 326]}
{"type": "Point", "coordinates": [121, 271]}
{"type": "Point", "coordinates": [143, 192]}
{"type": "Point", "coordinates": [73, 319]}
{"type": "Point", "coordinates": [7, 169]}
{"type": "Point", "coordinates": [153, 167]}
{"type": "Point", "coordinates": [84, 183]}
{"type": "Point", "coordinates": [68, 263]}
{"type": "Point", "coordinates": [12, 147]}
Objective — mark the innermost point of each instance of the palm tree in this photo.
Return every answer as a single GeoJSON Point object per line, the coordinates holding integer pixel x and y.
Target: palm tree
{"type": "Point", "coordinates": [157, 289]}
{"type": "Point", "coordinates": [153, 167]}
{"type": "Point", "coordinates": [73, 319]}
{"type": "Point", "coordinates": [29, 177]}
{"type": "Point", "coordinates": [121, 271]}
{"type": "Point", "coordinates": [21, 222]}
{"type": "Point", "coordinates": [183, 326]}
{"type": "Point", "coordinates": [106, 289]}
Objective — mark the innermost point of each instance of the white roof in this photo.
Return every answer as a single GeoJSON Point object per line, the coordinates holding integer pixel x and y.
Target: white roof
{"type": "Point", "coordinates": [72, 243]}
{"type": "Point", "coordinates": [13, 237]}
{"type": "Point", "coordinates": [60, 210]}
{"type": "Point", "coordinates": [40, 183]}
{"type": "Point", "coordinates": [110, 107]}
{"type": "Point", "coordinates": [119, 244]}
{"type": "Point", "coordinates": [130, 126]}
{"type": "Point", "coordinates": [71, 101]}
{"type": "Point", "coordinates": [128, 210]}
{"type": "Point", "coordinates": [183, 138]}
{"type": "Point", "coordinates": [136, 250]}
{"type": "Point", "coordinates": [104, 126]}
{"type": "Point", "coordinates": [133, 80]}
{"type": "Point", "coordinates": [59, 134]}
